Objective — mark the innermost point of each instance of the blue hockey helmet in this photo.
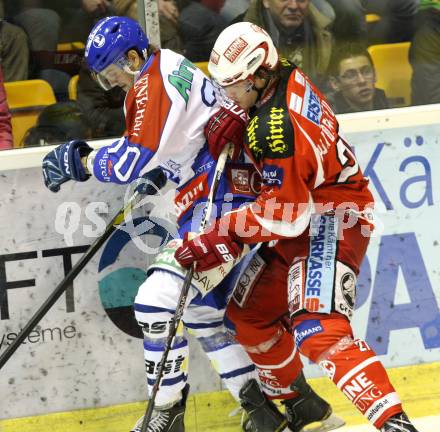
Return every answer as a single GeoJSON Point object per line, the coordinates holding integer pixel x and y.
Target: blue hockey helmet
{"type": "Point", "coordinates": [109, 41]}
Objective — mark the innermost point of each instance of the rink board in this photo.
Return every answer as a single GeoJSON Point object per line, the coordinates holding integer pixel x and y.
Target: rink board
{"type": "Point", "coordinates": [212, 411]}
{"type": "Point", "coordinates": [86, 352]}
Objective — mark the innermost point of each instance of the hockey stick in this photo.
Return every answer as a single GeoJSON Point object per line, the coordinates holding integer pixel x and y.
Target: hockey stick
{"type": "Point", "coordinates": [185, 290]}
{"type": "Point", "coordinates": [76, 269]}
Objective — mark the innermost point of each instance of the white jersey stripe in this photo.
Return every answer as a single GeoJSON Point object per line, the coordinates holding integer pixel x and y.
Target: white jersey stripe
{"type": "Point", "coordinates": [355, 370]}
{"type": "Point", "coordinates": [280, 365]}
{"type": "Point", "coordinates": [381, 405]}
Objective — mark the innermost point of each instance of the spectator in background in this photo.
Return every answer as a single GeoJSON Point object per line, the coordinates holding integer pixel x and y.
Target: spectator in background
{"type": "Point", "coordinates": [168, 20]}
{"type": "Point", "coordinates": [6, 141]}
{"type": "Point", "coordinates": [349, 19]}
{"type": "Point", "coordinates": [299, 31]}
{"type": "Point", "coordinates": [396, 24]}
{"type": "Point", "coordinates": [424, 55]}
{"type": "Point", "coordinates": [200, 23]}
{"type": "Point", "coordinates": [57, 123]}
{"type": "Point", "coordinates": [397, 20]}
{"type": "Point", "coordinates": [14, 50]}
{"type": "Point", "coordinates": [103, 109]}
{"type": "Point", "coordinates": [352, 79]}
{"type": "Point", "coordinates": [67, 20]}
{"type": "Point", "coordinates": [47, 22]}
{"type": "Point", "coordinates": [234, 8]}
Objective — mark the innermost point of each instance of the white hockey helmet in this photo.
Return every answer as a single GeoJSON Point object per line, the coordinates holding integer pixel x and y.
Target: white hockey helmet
{"type": "Point", "coordinates": [239, 51]}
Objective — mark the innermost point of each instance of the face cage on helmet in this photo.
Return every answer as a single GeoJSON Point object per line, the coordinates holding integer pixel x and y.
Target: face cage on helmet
{"type": "Point", "coordinates": [104, 77]}
{"type": "Point", "coordinates": [234, 91]}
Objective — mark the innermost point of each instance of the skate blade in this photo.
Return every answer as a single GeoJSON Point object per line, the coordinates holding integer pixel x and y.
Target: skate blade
{"type": "Point", "coordinates": [331, 423]}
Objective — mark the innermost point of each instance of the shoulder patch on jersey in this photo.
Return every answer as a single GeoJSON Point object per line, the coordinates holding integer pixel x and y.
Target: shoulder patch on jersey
{"type": "Point", "coordinates": [272, 175]}
{"type": "Point", "coordinates": [255, 145]}
{"type": "Point", "coordinates": [306, 329]}
{"type": "Point", "coordinates": [270, 134]}
{"type": "Point", "coordinates": [311, 108]}
{"type": "Point", "coordinates": [182, 78]}
{"type": "Point", "coordinates": [277, 139]}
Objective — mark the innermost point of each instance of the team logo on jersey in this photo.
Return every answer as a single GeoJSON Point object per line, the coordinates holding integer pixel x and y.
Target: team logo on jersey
{"type": "Point", "coordinates": [348, 284]}
{"type": "Point", "coordinates": [328, 367]}
{"type": "Point", "coordinates": [311, 109]}
{"type": "Point", "coordinates": [305, 330]}
{"type": "Point", "coordinates": [182, 79]}
{"type": "Point", "coordinates": [321, 263]}
{"type": "Point", "coordinates": [171, 366]}
{"type": "Point", "coordinates": [276, 139]}
{"type": "Point", "coordinates": [99, 40]}
{"type": "Point", "coordinates": [235, 49]}
{"type": "Point", "coordinates": [252, 139]}
{"type": "Point", "coordinates": [248, 279]}
{"type": "Point", "coordinates": [240, 180]}
{"type": "Point", "coordinates": [273, 175]}
{"type": "Point", "coordinates": [345, 290]}
{"type": "Point", "coordinates": [295, 288]}
{"type": "Point", "coordinates": [243, 179]}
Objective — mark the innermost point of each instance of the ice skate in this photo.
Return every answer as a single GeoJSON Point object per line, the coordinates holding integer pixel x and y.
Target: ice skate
{"type": "Point", "coordinates": [263, 415]}
{"type": "Point", "coordinates": [398, 423]}
{"type": "Point", "coordinates": [309, 409]}
{"type": "Point", "coordinates": [169, 419]}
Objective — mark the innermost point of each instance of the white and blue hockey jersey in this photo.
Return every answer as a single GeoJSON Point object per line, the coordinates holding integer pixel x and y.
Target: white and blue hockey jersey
{"type": "Point", "coordinates": [166, 111]}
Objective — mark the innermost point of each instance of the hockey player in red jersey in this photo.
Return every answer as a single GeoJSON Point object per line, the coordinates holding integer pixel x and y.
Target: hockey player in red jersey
{"type": "Point", "coordinates": [314, 219]}
{"type": "Point", "coordinates": [169, 101]}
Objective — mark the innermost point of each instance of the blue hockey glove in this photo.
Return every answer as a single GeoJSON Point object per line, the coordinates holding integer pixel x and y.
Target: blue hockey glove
{"type": "Point", "coordinates": [151, 182]}
{"type": "Point", "coordinates": [64, 163]}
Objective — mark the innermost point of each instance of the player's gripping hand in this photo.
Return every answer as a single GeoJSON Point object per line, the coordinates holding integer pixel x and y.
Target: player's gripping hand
{"type": "Point", "coordinates": [151, 182]}
{"type": "Point", "coordinates": [64, 163]}
{"type": "Point", "coordinates": [227, 125]}
{"type": "Point", "coordinates": [207, 250]}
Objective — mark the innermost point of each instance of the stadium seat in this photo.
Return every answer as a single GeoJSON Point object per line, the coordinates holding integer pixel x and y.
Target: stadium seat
{"type": "Point", "coordinates": [73, 87]}
{"type": "Point", "coordinates": [371, 18]}
{"type": "Point", "coordinates": [70, 46]}
{"type": "Point", "coordinates": [203, 66]}
{"type": "Point", "coordinates": [393, 71]}
{"type": "Point", "coordinates": [26, 99]}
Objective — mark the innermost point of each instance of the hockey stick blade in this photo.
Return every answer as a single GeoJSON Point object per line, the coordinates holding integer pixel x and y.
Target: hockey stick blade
{"type": "Point", "coordinates": [331, 423]}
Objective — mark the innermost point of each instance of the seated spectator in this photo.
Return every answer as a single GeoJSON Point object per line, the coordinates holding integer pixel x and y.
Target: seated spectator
{"type": "Point", "coordinates": [396, 24]}
{"type": "Point", "coordinates": [104, 109]}
{"type": "Point", "coordinates": [200, 23]}
{"type": "Point", "coordinates": [14, 50]}
{"type": "Point", "coordinates": [424, 55]}
{"type": "Point", "coordinates": [349, 22]}
{"type": "Point", "coordinates": [168, 17]}
{"type": "Point", "coordinates": [234, 8]}
{"type": "Point", "coordinates": [48, 22]}
{"type": "Point", "coordinates": [6, 141]}
{"type": "Point", "coordinates": [397, 20]}
{"type": "Point", "coordinates": [60, 122]}
{"type": "Point", "coordinates": [352, 79]}
{"type": "Point", "coordinates": [299, 30]}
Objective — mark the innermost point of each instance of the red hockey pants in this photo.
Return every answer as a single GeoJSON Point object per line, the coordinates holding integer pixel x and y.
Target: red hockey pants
{"type": "Point", "coordinates": [325, 338]}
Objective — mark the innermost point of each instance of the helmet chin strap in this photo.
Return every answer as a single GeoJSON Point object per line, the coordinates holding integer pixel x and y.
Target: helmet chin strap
{"type": "Point", "coordinates": [264, 91]}
{"type": "Point", "coordinates": [259, 91]}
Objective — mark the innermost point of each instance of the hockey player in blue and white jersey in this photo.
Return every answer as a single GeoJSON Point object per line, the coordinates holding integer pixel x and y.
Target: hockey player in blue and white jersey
{"type": "Point", "coordinates": [168, 103]}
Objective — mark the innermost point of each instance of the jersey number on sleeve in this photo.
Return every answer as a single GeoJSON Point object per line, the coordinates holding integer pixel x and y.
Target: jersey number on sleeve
{"type": "Point", "coordinates": [347, 159]}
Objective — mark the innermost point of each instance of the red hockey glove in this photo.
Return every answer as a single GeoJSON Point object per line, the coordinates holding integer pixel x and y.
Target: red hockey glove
{"type": "Point", "coordinates": [227, 125]}
{"type": "Point", "coordinates": [207, 250]}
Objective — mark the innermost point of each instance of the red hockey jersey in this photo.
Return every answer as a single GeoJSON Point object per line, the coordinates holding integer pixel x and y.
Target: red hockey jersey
{"type": "Point", "coordinates": [306, 165]}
